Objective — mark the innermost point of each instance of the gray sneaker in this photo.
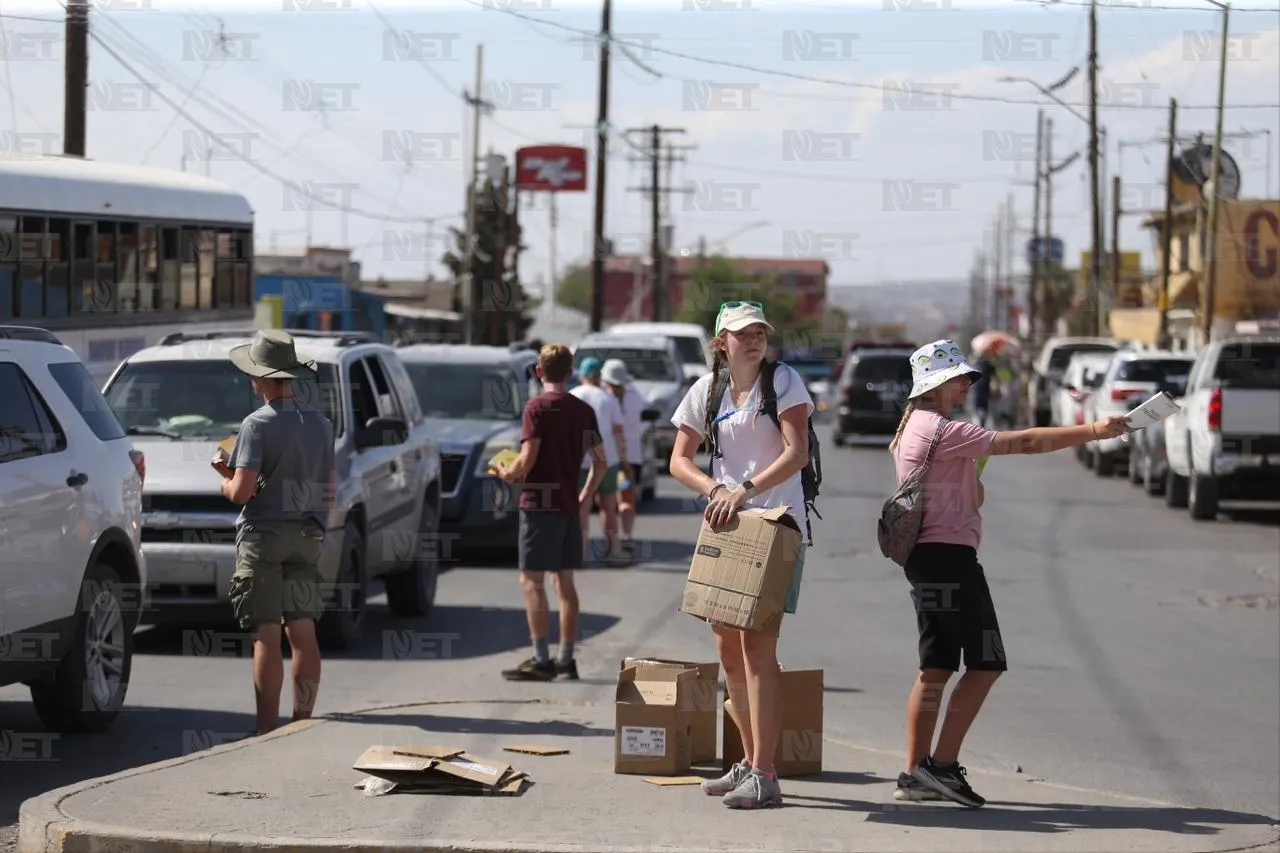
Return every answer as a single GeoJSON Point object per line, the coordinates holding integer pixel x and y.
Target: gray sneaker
{"type": "Point", "coordinates": [757, 791]}
{"type": "Point", "coordinates": [727, 782]}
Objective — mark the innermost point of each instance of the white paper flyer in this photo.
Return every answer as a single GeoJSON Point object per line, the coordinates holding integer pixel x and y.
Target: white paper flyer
{"type": "Point", "coordinates": [1152, 411]}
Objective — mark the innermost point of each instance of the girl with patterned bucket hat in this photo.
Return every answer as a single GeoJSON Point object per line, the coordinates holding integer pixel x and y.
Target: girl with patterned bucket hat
{"type": "Point", "coordinates": [955, 614]}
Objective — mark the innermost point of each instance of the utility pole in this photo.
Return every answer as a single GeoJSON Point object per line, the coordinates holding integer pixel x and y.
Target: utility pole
{"type": "Point", "coordinates": [1211, 267]}
{"type": "Point", "coordinates": [659, 297]}
{"type": "Point", "coordinates": [1095, 257]}
{"type": "Point", "coordinates": [470, 295]}
{"type": "Point", "coordinates": [1033, 286]}
{"type": "Point", "coordinates": [991, 307]}
{"type": "Point", "coordinates": [1048, 226]}
{"type": "Point", "coordinates": [1115, 236]}
{"type": "Point", "coordinates": [602, 158]}
{"type": "Point", "coordinates": [1010, 257]}
{"type": "Point", "coordinates": [76, 78]}
{"type": "Point", "coordinates": [1166, 236]}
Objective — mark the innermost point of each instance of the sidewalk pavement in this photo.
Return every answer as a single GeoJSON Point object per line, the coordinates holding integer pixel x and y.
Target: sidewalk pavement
{"type": "Point", "coordinates": [294, 788]}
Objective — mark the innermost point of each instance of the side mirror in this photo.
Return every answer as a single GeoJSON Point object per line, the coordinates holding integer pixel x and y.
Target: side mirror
{"type": "Point", "coordinates": [382, 432]}
{"type": "Point", "coordinates": [649, 415]}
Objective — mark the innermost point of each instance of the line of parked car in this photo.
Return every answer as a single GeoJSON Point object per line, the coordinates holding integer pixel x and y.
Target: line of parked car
{"type": "Point", "coordinates": [113, 517]}
{"type": "Point", "coordinates": [1222, 445]}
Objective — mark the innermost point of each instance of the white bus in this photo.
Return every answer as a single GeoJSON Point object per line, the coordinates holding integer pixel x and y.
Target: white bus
{"type": "Point", "coordinates": [113, 257]}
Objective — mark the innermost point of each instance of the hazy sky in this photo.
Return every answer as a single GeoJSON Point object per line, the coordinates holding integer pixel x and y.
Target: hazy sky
{"type": "Point", "coordinates": [890, 161]}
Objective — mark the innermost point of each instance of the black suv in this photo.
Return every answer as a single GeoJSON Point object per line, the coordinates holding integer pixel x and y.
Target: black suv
{"type": "Point", "coordinates": [872, 393]}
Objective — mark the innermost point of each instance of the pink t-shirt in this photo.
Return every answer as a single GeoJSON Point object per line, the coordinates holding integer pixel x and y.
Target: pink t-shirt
{"type": "Point", "coordinates": [951, 487]}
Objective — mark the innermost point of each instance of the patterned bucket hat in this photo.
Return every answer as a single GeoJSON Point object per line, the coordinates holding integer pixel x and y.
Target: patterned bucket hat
{"type": "Point", "coordinates": [936, 363]}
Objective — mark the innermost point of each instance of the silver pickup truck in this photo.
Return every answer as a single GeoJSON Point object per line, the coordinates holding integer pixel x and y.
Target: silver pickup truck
{"type": "Point", "coordinates": [1225, 443]}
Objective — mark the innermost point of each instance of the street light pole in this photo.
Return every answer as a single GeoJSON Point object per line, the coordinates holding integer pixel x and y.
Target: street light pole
{"type": "Point", "coordinates": [1211, 267]}
{"type": "Point", "coordinates": [1095, 259]}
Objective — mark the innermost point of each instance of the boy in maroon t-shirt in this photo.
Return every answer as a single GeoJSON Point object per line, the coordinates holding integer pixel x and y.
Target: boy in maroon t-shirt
{"type": "Point", "coordinates": [558, 429]}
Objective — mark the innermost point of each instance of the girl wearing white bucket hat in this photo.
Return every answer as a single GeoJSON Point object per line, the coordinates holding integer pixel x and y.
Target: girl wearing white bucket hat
{"type": "Point", "coordinates": [757, 464]}
{"type": "Point", "coordinates": [955, 614]}
{"type": "Point", "coordinates": [618, 380]}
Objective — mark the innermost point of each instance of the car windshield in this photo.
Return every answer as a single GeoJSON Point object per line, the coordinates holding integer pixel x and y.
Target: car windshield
{"type": "Point", "coordinates": [691, 349]}
{"type": "Point", "coordinates": [482, 392]}
{"type": "Point", "coordinates": [203, 399]}
{"type": "Point", "coordinates": [883, 368]}
{"type": "Point", "coordinates": [1061, 356]}
{"type": "Point", "coordinates": [647, 365]}
{"type": "Point", "coordinates": [1249, 365]}
{"type": "Point", "coordinates": [1157, 371]}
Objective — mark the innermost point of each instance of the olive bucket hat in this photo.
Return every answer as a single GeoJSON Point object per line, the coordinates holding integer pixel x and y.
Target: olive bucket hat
{"type": "Point", "coordinates": [271, 356]}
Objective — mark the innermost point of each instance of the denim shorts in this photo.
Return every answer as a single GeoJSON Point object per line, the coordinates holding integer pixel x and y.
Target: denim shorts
{"type": "Point", "coordinates": [793, 592]}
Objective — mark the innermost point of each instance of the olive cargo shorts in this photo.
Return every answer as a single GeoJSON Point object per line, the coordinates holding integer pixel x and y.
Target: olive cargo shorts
{"type": "Point", "coordinates": [277, 577]}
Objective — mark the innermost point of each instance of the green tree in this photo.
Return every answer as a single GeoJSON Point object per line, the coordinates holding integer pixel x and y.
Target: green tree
{"type": "Point", "coordinates": [716, 281]}
{"type": "Point", "coordinates": [573, 290]}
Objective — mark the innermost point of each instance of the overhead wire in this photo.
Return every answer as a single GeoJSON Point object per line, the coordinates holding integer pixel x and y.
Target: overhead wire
{"type": "Point", "coordinates": [808, 78]}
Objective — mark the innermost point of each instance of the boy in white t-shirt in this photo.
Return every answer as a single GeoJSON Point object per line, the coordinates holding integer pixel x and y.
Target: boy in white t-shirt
{"type": "Point", "coordinates": [610, 422]}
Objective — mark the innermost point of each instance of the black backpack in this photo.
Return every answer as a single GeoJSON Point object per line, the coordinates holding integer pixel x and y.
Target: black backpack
{"type": "Point", "coordinates": [810, 475]}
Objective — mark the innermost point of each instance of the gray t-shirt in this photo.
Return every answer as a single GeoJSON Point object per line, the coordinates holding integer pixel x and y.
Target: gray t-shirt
{"type": "Point", "coordinates": [290, 445]}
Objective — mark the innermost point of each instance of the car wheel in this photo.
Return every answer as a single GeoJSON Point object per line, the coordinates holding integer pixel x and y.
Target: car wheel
{"type": "Point", "coordinates": [1133, 470]}
{"type": "Point", "coordinates": [413, 591]}
{"type": "Point", "coordinates": [342, 626]}
{"type": "Point", "coordinates": [1175, 490]}
{"type": "Point", "coordinates": [1154, 485]}
{"type": "Point", "coordinates": [837, 438]}
{"type": "Point", "coordinates": [1104, 464]}
{"type": "Point", "coordinates": [1203, 498]}
{"type": "Point", "coordinates": [88, 688]}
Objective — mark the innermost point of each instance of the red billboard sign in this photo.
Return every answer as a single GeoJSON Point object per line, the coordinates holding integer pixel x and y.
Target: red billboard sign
{"type": "Point", "coordinates": [551, 168]}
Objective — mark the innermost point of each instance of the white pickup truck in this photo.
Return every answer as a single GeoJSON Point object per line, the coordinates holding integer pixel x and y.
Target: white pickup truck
{"type": "Point", "coordinates": [1225, 443]}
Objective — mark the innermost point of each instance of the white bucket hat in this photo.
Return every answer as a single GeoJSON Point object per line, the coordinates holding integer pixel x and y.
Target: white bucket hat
{"type": "Point", "coordinates": [736, 316]}
{"type": "Point", "coordinates": [936, 363]}
{"type": "Point", "coordinates": [615, 372]}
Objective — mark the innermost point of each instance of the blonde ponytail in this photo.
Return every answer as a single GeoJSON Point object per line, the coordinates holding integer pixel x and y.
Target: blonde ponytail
{"type": "Point", "coordinates": [907, 411]}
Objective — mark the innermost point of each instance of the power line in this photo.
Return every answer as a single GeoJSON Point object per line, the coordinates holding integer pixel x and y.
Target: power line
{"type": "Point", "coordinates": [296, 187]}
{"type": "Point", "coordinates": [791, 75]}
{"type": "Point", "coordinates": [1144, 8]}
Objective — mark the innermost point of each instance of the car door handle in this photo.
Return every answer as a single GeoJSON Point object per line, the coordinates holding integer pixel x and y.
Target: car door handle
{"type": "Point", "coordinates": [77, 480]}
{"type": "Point", "coordinates": [394, 467]}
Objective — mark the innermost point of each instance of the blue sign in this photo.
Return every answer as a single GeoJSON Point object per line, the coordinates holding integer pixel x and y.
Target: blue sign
{"type": "Point", "coordinates": [1037, 250]}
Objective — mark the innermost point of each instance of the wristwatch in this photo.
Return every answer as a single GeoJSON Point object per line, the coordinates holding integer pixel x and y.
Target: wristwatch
{"type": "Point", "coordinates": [749, 487]}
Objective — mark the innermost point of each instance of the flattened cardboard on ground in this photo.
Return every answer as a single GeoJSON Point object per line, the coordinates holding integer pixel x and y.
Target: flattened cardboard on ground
{"type": "Point", "coordinates": [799, 751]}
{"type": "Point", "coordinates": [532, 749]}
{"type": "Point", "coordinates": [440, 770]}
{"type": "Point", "coordinates": [706, 716]}
{"type": "Point", "coordinates": [673, 781]}
{"type": "Point", "coordinates": [653, 728]}
{"type": "Point", "coordinates": [740, 574]}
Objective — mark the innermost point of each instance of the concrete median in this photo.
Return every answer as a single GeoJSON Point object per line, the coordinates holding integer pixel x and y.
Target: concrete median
{"type": "Point", "coordinates": [293, 789]}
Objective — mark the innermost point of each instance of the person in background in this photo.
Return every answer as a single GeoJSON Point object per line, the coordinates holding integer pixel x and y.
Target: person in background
{"type": "Point", "coordinates": [980, 392]}
{"type": "Point", "coordinates": [619, 382]}
{"type": "Point", "coordinates": [955, 614]}
{"type": "Point", "coordinates": [558, 430]}
{"type": "Point", "coordinates": [279, 472]}
{"type": "Point", "coordinates": [609, 418]}
{"type": "Point", "coordinates": [758, 466]}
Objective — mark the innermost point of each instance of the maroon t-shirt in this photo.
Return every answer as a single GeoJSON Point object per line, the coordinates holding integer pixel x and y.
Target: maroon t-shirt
{"type": "Point", "coordinates": [567, 430]}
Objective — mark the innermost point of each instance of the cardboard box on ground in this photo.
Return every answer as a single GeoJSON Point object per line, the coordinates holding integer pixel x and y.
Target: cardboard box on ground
{"type": "Point", "coordinates": [740, 574]}
{"type": "Point", "coordinates": [799, 750]}
{"type": "Point", "coordinates": [703, 701]}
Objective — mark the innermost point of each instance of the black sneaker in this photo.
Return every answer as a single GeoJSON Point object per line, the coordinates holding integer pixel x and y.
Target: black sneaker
{"type": "Point", "coordinates": [567, 671]}
{"type": "Point", "coordinates": [531, 670]}
{"type": "Point", "coordinates": [912, 790]}
{"type": "Point", "coordinates": [949, 782]}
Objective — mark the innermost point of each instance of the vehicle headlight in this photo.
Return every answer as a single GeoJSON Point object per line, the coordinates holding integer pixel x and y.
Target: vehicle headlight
{"type": "Point", "coordinates": [492, 448]}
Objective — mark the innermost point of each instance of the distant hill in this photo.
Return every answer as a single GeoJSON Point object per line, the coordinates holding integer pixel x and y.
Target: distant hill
{"type": "Point", "coordinates": [926, 308]}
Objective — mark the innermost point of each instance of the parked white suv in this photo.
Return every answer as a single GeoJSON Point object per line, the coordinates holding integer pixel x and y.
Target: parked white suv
{"type": "Point", "coordinates": [179, 399]}
{"type": "Point", "coordinates": [72, 574]}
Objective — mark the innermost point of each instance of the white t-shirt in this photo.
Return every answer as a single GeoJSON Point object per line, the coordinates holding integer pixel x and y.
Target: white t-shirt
{"type": "Point", "coordinates": [749, 444]}
{"type": "Point", "coordinates": [608, 413]}
{"type": "Point", "coordinates": [633, 404]}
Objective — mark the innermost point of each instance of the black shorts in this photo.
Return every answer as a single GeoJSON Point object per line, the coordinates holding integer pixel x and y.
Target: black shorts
{"type": "Point", "coordinates": [954, 610]}
{"type": "Point", "coordinates": [550, 541]}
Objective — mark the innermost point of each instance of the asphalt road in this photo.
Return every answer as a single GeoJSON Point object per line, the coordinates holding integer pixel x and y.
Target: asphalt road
{"type": "Point", "coordinates": [1144, 647]}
